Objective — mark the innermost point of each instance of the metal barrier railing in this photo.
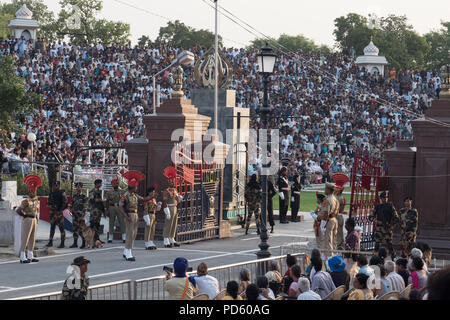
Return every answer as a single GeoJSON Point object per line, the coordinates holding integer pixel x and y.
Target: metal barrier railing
{"type": "Point", "coordinates": [119, 290]}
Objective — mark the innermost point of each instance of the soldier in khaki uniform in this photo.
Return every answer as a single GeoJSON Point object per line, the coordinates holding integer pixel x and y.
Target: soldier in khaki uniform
{"type": "Point", "coordinates": [170, 202]}
{"type": "Point", "coordinates": [29, 210]}
{"type": "Point", "coordinates": [340, 179]}
{"type": "Point", "coordinates": [321, 209]}
{"type": "Point", "coordinates": [128, 207]}
{"type": "Point", "coordinates": [150, 209]}
{"type": "Point", "coordinates": [330, 215]}
{"type": "Point", "coordinates": [112, 210]}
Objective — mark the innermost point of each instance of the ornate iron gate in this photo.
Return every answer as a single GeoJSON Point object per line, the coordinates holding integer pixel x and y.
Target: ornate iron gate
{"type": "Point", "coordinates": [199, 212]}
{"type": "Point", "coordinates": [367, 181]}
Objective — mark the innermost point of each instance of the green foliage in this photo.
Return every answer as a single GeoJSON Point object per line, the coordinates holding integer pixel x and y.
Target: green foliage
{"type": "Point", "coordinates": [178, 34]}
{"type": "Point", "coordinates": [439, 42]}
{"type": "Point", "coordinates": [78, 21]}
{"type": "Point", "coordinates": [15, 101]}
{"type": "Point", "coordinates": [144, 41]}
{"type": "Point", "coordinates": [403, 47]}
{"type": "Point", "coordinates": [290, 43]}
{"type": "Point", "coordinates": [44, 190]}
{"type": "Point", "coordinates": [5, 18]}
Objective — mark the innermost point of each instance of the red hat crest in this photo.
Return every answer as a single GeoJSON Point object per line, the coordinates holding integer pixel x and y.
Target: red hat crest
{"type": "Point", "coordinates": [133, 177]}
{"type": "Point", "coordinates": [170, 173]}
{"type": "Point", "coordinates": [32, 181]}
{"type": "Point", "coordinates": [340, 179]}
{"type": "Point", "coordinates": [115, 180]}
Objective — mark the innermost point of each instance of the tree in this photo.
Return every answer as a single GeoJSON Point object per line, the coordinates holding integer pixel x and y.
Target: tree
{"type": "Point", "coordinates": [144, 40]}
{"type": "Point", "coordinates": [439, 42]}
{"type": "Point", "coordinates": [5, 18]}
{"type": "Point", "coordinates": [77, 20]}
{"type": "Point", "coordinates": [40, 11]}
{"type": "Point", "coordinates": [287, 42]}
{"type": "Point", "coordinates": [178, 34]}
{"type": "Point", "coordinates": [403, 47]}
{"type": "Point", "coordinates": [15, 101]}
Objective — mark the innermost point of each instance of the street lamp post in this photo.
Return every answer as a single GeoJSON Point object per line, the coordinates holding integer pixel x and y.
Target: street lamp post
{"type": "Point", "coordinates": [266, 61]}
{"type": "Point", "coordinates": [185, 58]}
{"type": "Point", "coordinates": [32, 138]}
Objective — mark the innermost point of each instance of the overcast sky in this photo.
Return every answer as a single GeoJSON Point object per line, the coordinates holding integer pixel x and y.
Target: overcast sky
{"type": "Point", "coordinates": [312, 18]}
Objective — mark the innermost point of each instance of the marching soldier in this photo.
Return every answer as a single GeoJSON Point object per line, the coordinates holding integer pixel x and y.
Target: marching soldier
{"type": "Point", "coordinates": [112, 210]}
{"type": "Point", "coordinates": [150, 209]}
{"type": "Point", "coordinates": [283, 192]}
{"type": "Point", "coordinates": [128, 207]}
{"type": "Point", "coordinates": [96, 208]}
{"type": "Point", "coordinates": [385, 216]}
{"type": "Point", "coordinates": [78, 207]}
{"type": "Point", "coordinates": [408, 221]}
{"type": "Point", "coordinates": [253, 193]}
{"type": "Point", "coordinates": [332, 211]}
{"type": "Point", "coordinates": [271, 191]}
{"type": "Point", "coordinates": [170, 202]}
{"type": "Point", "coordinates": [319, 212]}
{"type": "Point", "coordinates": [340, 180]}
{"type": "Point", "coordinates": [57, 202]}
{"type": "Point", "coordinates": [29, 210]}
{"type": "Point", "coordinates": [295, 198]}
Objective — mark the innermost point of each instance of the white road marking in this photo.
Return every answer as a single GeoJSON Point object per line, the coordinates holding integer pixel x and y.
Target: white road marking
{"type": "Point", "coordinates": [279, 235]}
{"type": "Point", "coordinates": [191, 250]}
{"type": "Point", "coordinates": [134, 269]}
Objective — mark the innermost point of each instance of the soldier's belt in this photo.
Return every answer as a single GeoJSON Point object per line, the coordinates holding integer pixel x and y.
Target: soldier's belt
{"type": "Point", "coordinates": [132, 211]}
{"type": "Point", "coordinates": [29, 216]}
{"type": "Point", "coordinates": [297, 192]}
{"type": "Point", "coordinates": [285, 189]}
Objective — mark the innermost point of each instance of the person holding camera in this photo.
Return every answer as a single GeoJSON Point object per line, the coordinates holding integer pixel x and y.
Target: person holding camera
{"type": "Point", "coordinates": [177, 283]}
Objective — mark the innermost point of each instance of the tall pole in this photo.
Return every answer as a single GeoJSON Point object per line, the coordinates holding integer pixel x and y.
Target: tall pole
{"type": "Point", "coordinates": [264, 253]}
{"type": "Point", "coordinates": [216, 68]}
{"type": "Point", "coordinates": [154, 94]}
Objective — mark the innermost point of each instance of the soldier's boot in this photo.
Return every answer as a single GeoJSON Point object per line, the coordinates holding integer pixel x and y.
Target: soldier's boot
{"type": "Point", "coordinates": [75, 243]}
{"type": "Point", "coordinates": [83, 243]}
{"type": "Point", "coordinates": [52, 233]}
{"type": "Point", "coordinates": [50, 243]}
{"type": "Point", "coordinates": [258, 231]}
{"type": "Point", "coordinates": [63, 238]}
{"type": "Point", "coordinates": [246, 229]}
{"type": "Point", "coordinates": [271, 229]}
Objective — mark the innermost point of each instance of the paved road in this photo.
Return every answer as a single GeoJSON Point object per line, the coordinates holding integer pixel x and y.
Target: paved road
{"type": "Point", "coordinates": [108, 265]}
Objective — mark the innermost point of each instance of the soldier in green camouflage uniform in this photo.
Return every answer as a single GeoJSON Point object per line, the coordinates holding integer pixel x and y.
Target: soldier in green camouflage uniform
{"type": "Point", "coordinates": [57, 202]}
{"type": "Point", "coordinates": [408, 222]}
{"type": "Point", "coordinates": [385, 216]}
{"type": "Point", "coordinates": [253, 193]}
{"type": "Point", "coordinates": [79, 209]}
{"type": "Point", "coordinates": [112, 210]}
{"type": "Point", "coordinates": [77, 284]}
{"type": "Point", "coordinates": [97, 208]}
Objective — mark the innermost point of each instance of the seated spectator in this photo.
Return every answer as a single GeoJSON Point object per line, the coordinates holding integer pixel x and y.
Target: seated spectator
{"type": "Point", "coordinates": [353, 270]}
{"type": "Point", "coordinates": [438, 285]}
{"type": "Point", "coordinates": [361, 291]}
{"type": "Point", "coordinates": [252, 292]}
{"type": "Point", "coordinates": [386, 286]}
{"type": "Point", "coordinates": [338, 273]}
{"type": "Point", "coordinates": [274, 276]}
{"type": "Point", "coordinates": [232, 291]}
{"type": "Point", "coordinates": [414, 294]}
{"type": "Point", "coordinates": [402, 269]}
{"type": "Point", "coordinates": [397, 282]}
{"type": "Point", "coordinates": [321, 282]}
{"type": "Point", "coordinates": [305, 291]}
{"type": "Point", "coordinates": [418, 276]}
{"type": "Point", "coordinates": [375, 261]}
{"type": "Point", "coordinates": [426, 251]}
{"type": "Point", "coordinates": [382, 254]}
{"type": "Point", "coordinates": [364, 265]}
{"type": "Point", "coordinates": [287, 280]}
{"type": "Point", "coordinates": [244, 279]}
{"type": "Point", "coordinates": [416, 253]}
{"type": "Point", "coordinates": [265, 292]}
{"type": "Point", "coordinates": [206, 283]}
{"type": "Point", "coordinates": [179, 287]}
{"type": "Point", "coordinates": [315, 254]}
{"type": "Point", "coordinates": [295, 275]}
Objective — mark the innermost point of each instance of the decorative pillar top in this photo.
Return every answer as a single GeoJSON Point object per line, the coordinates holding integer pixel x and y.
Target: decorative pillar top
{"type": "Point", "coordinates": [178, 84]}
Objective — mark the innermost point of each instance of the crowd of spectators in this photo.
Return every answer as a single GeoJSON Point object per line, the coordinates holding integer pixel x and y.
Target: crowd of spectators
{"type": "Point", "coordinates": [324, 105]}
{"type": "Point", "coordinates": [358, 278]}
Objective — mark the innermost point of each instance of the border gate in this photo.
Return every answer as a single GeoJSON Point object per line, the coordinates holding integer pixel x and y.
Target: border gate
{"type": "Point", "coordinates": [199, 212]}
{"type": "Point", "coordinates": [367, 181]}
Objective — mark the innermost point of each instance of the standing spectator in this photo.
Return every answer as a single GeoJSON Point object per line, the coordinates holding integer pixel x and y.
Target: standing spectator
{"type": "Point", "coordinates": [361, 291]}
{"type": "Point", "coordinates": [396, 280]}
{"type": "Point", "coordinates": [305, 291]}
{"type": "Point", "coordinates": [244, 279]}
{"type": "Point", "coordinates": [179, 287]}
{"type": "Point", "coordinates": [338, 273]}
{"type": "Point", "coordinates": [352, 240]}
{"type": "Point", "coordinates": [77, 284]}
{"type": "Point", "coordinates": [321, 282]}
{"type": "Point", "coordinates": [402, 269]}
{"type": "Point", "coordinates": [206, 283]}
{"type": "Point", "coordinates": [232, 291]}
{"type": "Point", "coordinates": [418, 276]}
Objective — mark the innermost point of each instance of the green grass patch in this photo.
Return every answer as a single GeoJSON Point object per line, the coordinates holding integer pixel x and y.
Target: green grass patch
{"type": "Point", "coordinates": [308, 201]}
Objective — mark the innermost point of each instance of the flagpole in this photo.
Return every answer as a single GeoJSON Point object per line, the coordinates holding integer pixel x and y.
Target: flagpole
{"type": "Point", "coordinates": [216, 73]}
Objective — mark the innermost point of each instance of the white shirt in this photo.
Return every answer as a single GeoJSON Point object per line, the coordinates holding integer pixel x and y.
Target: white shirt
{"type": "Point", "coordinates": [309, 295]}
{"type": "Point", "coordinates": [207, 284]}
{"type": "Point", "coordinates": [397, 282]}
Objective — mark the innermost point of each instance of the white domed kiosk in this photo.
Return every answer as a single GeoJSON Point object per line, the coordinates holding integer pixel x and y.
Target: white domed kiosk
{"type": "Point", "coordinates": [371, 60]}
{"type": "Point", "coordinates": [23, 24]}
